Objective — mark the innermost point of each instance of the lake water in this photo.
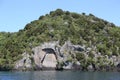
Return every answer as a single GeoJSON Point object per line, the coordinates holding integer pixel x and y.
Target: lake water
{"type": "Point", "coordinates": [59, 75]}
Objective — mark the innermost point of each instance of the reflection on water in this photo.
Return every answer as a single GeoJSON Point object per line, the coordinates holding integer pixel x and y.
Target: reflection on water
{"type": "Point", "coordinates": [59, 75]}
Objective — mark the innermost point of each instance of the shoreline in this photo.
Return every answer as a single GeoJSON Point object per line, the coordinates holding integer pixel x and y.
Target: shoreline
{"type": "Point", "coordinates": [84, 70]}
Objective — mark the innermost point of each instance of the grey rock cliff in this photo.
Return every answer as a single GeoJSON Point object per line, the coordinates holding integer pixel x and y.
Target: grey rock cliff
{"type": "Point", "coordinates": [48, 56]}
{"type": "Point", "coordinates": [43, 56]}
{"type": "Point", "coordinates": [51, 55]}
{"type": "Point", "coordinates": [24, 63]}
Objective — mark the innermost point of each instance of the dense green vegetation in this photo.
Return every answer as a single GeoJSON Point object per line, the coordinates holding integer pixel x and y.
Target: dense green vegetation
{"type": "Point", "coordinates": [60, 25]}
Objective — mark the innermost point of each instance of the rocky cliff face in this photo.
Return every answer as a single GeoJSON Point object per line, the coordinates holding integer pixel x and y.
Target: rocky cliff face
{"type": "Point", "coordinates": [43, 56]}
{"type": "Point", "coordinates": [49, 56]}
{"type": "Point", "coordinates": [24, 63]}
{"type": "Point", "coordinates": [68, 56]}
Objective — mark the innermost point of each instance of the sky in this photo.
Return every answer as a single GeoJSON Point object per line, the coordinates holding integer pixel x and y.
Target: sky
{"type": "Point", "coordinates": [15, 14]}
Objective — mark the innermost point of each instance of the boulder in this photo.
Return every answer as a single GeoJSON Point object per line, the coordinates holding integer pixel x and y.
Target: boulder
{"type": "Point", "coordinates": [68, 66]}
{"type": "Point", "coordinates": [118, 67]}
{"type": "Point", "coordinates": [77, 66]}
{"type": "Point", "coordinates": [72, 66]}
{"type": "Point", "coordinates": [90, 68]}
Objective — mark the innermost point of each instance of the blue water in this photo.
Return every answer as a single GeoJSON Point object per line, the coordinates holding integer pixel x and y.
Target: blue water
{"type": "Point", "coordinates": [59, 75]}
